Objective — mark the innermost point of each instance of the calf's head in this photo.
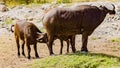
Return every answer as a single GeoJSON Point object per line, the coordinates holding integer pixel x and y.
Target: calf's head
{"type": "Point", "coordinates": [42, 37]}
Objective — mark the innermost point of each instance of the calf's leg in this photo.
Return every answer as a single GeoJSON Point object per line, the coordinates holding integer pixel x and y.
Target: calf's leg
{"type": "Point", "coordinates": [67, 46]}
{"type": "Point", "coordinates": [29, 49]}
{"type": "Point", "coordinates": [23, 43]}
{"type": "Point", "coordinates": [18, 45]}
{"type": "Point", "coordinates": [35, 49]}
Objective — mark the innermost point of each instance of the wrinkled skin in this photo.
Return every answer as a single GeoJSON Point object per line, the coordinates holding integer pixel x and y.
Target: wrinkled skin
{"type": "Point", "coordinates": [71, 21]}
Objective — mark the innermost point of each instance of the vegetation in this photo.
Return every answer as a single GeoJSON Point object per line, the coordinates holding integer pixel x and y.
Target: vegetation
{"type": "Point", "coordinates": [8, 21]}
{"type": "Point", "coordinates": [95, 38]}
{"type": "Point", "coordinates": [18, 2]}
{"type": "Point", "coordinates": [78, 60]}
{"type": "Point", "coordinates": [116, 40]}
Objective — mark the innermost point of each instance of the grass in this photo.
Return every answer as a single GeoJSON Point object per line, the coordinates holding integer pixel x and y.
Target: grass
{"type": "Point", "coordinates": [78, 60]}
{"type": "Point", "coordinates": [116, 40]}
{"type": "Point", "coordinates": [9, 21]}
{"type": "Point", "coordinates": [94, 38]}
{"type": "Point", "coordinates": [19, 2]}
{"type": "Point", "coordinates": [42, 29]}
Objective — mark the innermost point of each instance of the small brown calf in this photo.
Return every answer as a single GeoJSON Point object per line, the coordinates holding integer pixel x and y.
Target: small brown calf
{"type": "Point", "coordinates": [29, 34]}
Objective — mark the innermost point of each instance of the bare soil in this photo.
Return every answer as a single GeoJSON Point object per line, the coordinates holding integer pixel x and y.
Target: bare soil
{"type": "Point", "coordinates": [9, 58]}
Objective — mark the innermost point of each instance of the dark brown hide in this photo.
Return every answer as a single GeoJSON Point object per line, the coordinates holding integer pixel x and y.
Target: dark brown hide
{"type": "Point", "coordinates": [69, 39]}
{"type": "Point", "coordinates": [27, 32]}
{"type": "Point", "coordinates": [71, 21]}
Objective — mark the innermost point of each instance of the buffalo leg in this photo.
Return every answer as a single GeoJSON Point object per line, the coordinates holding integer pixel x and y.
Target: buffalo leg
{"type": "Point", "coordinates": [84, 42]}
{"type": "Point", "coordinates": [73, 44]}
{"type": "Point", "coordinates": [23, 43]}
{"type": "Point", "coordinates": [50, 45]}
{"type": "Point", "coordinates": [35, 49]}
{"type": "Point", "coordinates": [18, 45]}
{"type": "Point", "coordinates": [61, 41]}
{"type": "Point", "coordinates": [67, 46]}
{"type": "Point", "coordinates": [29, 49]}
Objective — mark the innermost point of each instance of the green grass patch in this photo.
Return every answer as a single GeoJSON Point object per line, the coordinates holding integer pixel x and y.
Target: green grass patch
{"type": "Point", "coordinates": [9, 21]}
{"type": "Point", "coordinates": [78, 60]}
{"type": "Point", "coordinates": [42, 29]}
{"type": "Point", "coordinates": [12, 3]}
{"type": "Point", "coordinates": [94, 38]}
{"type": "Point", "coordinates": [116, 40]}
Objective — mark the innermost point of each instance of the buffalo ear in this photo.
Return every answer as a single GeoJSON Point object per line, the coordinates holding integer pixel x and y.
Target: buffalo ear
{"type": "Point", "coordinates": [100, 5]}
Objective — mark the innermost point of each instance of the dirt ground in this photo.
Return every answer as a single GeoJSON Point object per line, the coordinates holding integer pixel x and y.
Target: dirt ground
{"type": "Point", "coordinates": [9, 58]}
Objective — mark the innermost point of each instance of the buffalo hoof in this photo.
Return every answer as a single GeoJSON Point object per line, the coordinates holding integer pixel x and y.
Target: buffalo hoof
{"type": "Point", "coordinates": [51, 53]}
{"type": "Point", "coordinates": [28, 57]}
{"type": "Point", "coordinates": [18, 54]}
{"type": "Point", "coordinates": [60, 53]}
{"type": "Point", "coordinates": [74, 51]}
{"type": "Point", "coordinates": [24, 54]}
{"type": "Point", "coordinates": [37, 56]}
{"type": "Point", "coordinates": [84, 50]}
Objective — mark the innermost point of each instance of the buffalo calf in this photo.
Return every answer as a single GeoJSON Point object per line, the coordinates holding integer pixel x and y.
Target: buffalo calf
{"type": "Point", "coordinates": [69, 39]}
{"type": "Point", "coordinates": [29, 34]}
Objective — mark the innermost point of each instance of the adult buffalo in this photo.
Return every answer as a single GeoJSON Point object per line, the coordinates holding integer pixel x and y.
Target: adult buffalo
{"type": "Point", "coordinates": [82, 19]}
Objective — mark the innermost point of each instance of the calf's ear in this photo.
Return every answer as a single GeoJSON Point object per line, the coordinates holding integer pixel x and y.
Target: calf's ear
{"type": "Point", "coordinates": [40, 36]}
